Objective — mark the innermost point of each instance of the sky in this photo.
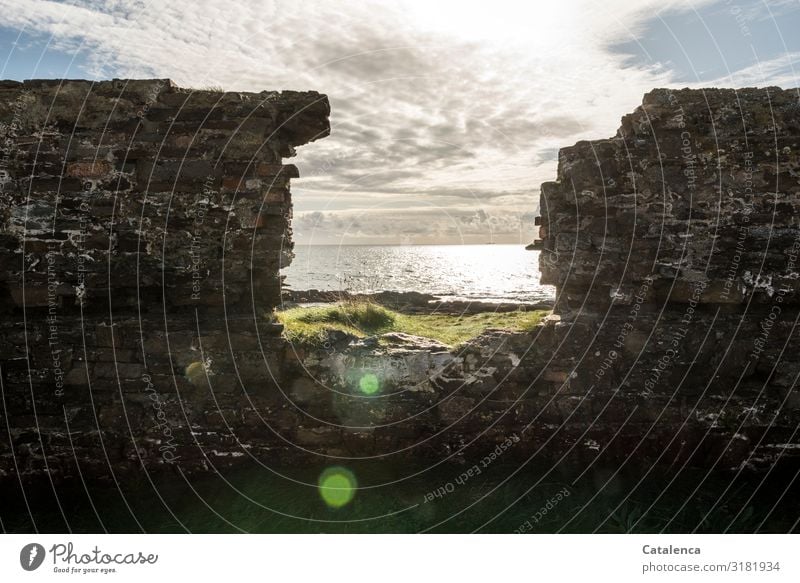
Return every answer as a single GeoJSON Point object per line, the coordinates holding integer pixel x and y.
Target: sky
{"type": "Point", "coordinates": [447, 115]}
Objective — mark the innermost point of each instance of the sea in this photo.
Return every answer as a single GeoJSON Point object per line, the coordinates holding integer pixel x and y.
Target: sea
{"type": "Point", "coordinates": [488, 273]}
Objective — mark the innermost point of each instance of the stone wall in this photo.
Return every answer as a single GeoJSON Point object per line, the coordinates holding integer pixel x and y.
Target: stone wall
{"type": "Point", "coordinates": [674, 249]}
{"type": "Point", "coordinates": [143, 227]}
{"type": "Point", "coordinates": [141, 243]}
{"type": "Point", "coordinates": [674, 246]}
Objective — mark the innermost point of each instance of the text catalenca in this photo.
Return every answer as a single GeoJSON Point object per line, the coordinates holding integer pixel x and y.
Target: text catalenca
{"type": "Point", "coordinates": [670, 550]}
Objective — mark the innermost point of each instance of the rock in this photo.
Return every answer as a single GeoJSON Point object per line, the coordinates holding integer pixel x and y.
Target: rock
{"type": "Point", "coordinates": [395, 340]}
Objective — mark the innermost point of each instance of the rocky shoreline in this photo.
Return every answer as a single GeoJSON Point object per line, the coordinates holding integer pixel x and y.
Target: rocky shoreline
{"type": "Point", "coordinates": [410, 302]}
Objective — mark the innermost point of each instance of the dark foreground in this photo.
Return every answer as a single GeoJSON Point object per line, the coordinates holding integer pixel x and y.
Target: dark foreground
{"type": "Point", "coordinates": [392, 499]}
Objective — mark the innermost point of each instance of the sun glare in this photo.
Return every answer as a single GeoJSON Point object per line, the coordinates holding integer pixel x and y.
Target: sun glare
{"type": "Point", "coordinates": [496, 22]}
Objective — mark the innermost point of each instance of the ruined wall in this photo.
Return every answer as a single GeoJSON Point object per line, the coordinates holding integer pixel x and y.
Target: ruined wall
{"type": "Point", "coordinates": [143, 226]}
{"type": "Point", "coordinates": [674, 246]}
{"type": "Point", "coordinates": [142, 230]}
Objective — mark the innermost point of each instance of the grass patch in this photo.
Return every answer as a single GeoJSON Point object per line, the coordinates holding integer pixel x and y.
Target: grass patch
{"type": "Point", "coordinates": [311, 325]}
{"type": "Point", "coordinates": [454, 330]}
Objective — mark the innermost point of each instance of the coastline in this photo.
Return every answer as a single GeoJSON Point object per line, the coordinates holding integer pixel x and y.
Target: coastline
{"type": "Point", "coordinates": [410, 302]}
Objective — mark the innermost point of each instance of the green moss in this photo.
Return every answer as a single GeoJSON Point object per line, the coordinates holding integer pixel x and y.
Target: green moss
{"type": "Point", "coordinates": [311, 325]}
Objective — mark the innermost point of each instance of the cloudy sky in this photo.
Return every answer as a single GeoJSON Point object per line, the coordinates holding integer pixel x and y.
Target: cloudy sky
{"type": "Point", "coordinates": [446, 114]}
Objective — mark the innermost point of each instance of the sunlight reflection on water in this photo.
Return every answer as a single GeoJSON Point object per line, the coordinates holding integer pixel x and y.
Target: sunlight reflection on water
{"type": "Point", "coordinates": [471, 272]}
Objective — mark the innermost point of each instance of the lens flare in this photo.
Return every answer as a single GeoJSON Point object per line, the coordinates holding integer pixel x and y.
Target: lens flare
{"type": "Point", "coordinates": [369, 384]}
{"type": "Point", "coordinates": [337, 486]}
{"type": "Point", "coordinates": [195, 373]}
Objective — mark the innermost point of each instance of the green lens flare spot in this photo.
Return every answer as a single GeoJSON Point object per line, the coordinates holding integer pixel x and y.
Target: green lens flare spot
{"type": "Point", "coordinates": [369, 384]}
{"type": "Point", "coordinates": [337, 486]}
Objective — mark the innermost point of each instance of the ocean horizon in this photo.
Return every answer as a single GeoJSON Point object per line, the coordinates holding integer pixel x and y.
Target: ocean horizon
{"type": "Point", "coordinates": [492, 272]}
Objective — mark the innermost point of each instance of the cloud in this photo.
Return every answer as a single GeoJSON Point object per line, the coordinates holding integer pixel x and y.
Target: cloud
{"type": "Point", "coordinates": [429, 224]}
{"type": "Point", "coordinates": [439, 109]}
{"type": "Point", "coordinates": [779, 71]}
